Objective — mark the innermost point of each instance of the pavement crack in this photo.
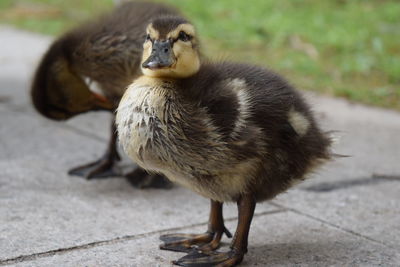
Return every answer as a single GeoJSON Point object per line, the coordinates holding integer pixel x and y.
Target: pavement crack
{"type": "Point", "coordinates": [84, 133]}
{"type": "Point", "coordinates": [330, 224]}
{"type": "Point", "coordinates": [116, 240]}
{"type": "Point", "coordinates": [5, 99]}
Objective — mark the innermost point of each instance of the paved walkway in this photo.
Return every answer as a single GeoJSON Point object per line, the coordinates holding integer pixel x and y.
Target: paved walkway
{"type": "Point", "coordinates": [347, 214]}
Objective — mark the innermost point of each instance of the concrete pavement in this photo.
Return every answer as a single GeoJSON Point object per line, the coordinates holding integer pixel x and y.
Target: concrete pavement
{"type": "Point", "coordinates": [348, 213]}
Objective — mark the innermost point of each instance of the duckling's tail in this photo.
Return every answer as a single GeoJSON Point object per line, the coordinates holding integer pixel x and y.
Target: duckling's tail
{"type": "Point", "coordinates": [334, 138]}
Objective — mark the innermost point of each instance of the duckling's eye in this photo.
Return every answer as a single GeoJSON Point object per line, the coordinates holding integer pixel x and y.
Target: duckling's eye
{"type": "Point", "coordinates": [184, 37]}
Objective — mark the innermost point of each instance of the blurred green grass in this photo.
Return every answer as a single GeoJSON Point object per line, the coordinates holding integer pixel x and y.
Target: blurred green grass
{"type": "Point", "coordinates": [347, 48]}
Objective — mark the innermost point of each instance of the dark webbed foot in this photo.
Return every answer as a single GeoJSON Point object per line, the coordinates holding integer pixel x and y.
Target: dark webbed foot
{"type": "Point", "coordinates": [184, 242]}
{"type": "Point", "coordinates": [141, 179]}
{"type": "Point", "coordinates": [104, 166]}
{"type": "Point", "coordinates": [98, 169]}
{"type": "Point", "coordinates": [200, 259]}
{"type": "Point", "coordinates": [206, 242]}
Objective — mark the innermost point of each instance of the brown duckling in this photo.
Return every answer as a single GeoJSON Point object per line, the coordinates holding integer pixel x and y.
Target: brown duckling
{"type": "Point", "coordinates": [104, 53]}
{"type": "Point", "coordinates": [230, 132]}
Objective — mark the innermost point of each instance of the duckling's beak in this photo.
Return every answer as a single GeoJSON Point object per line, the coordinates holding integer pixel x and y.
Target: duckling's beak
{"type": "Point", "coordinates": [101, 102]}
{"type": "Point", "coordinates": [98, 100]}
{"type": "Point", "coordinates": [161, 56]}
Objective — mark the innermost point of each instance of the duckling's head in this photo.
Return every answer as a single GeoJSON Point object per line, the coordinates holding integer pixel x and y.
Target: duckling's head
{"type": "Point", "coordinates": [170, 49]}
{"type": "Point", "coordinates": [58, 92]}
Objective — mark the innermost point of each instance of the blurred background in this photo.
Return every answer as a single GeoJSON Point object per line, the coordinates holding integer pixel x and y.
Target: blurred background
{"type": "Point", "coordinates": [345, 48]}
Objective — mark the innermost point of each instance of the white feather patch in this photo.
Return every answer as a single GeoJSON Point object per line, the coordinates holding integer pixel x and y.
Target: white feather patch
{"type": "Point", "coordinates": [239, 86]}
{"type": "Point", "coordinates": [299, 122]}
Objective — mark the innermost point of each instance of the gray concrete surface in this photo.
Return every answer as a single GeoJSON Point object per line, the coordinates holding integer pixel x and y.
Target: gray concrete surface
{"type": "Point", "coordinates": [346, 214]}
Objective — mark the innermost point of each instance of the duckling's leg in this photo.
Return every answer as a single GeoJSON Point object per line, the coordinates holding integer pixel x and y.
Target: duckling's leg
{"type": "Point", "coordinates": [104, 166]}
{"type": "Point", "coordinates": [208, 241]}
{"type": "Point", "coordinates": [246, 206]}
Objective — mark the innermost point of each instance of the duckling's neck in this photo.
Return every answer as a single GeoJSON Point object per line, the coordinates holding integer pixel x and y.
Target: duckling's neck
{"type": "Point", "coordinates": [150, 96]}
{"type": "Point", "coordinates": [150, 81]}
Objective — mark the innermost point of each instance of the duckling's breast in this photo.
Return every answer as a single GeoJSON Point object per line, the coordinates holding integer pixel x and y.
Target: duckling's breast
{"type": "Point", "coordinates": [139, 123]}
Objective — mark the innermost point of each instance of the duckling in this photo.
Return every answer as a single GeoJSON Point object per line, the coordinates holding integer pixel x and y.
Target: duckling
{"type": "Point", "coordinates": [228, 131]}
{"type": "Point", "coordinates": [89, 68]}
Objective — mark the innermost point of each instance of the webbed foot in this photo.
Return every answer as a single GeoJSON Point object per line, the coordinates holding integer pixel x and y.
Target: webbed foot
{"type": "Point", "coordinates": [214, 258]}
{"type": "Point", "coordinates": [206, 242]}
{"type": "Point", "coordinates": [98, 169]}
{"type": "Point", "coordinates": [104, 166]}
{"type": "Point", "coordinates": [141, 179]}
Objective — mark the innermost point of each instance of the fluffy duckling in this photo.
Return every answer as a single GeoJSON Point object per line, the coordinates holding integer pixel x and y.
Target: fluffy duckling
{"type": "Point", "coordinates": [230, 132]}
{"type": "Point", "coordinates": [89, 69]}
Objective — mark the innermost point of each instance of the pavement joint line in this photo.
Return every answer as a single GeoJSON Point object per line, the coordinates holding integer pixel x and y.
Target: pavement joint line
{"type": "Point", "coordinates": [121, 239]}
{"type": "Point", "coordinates": [83, 133]}
{"type": "Point", "coordinates": [330, 224]}
{"type": "Point", "coordinates": [13, 107]}
{"type": "Point", "coordinates": [17, 108]}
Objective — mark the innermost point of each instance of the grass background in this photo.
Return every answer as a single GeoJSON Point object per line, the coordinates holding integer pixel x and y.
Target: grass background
{"type": "Point", "coordinates": [347, 48]}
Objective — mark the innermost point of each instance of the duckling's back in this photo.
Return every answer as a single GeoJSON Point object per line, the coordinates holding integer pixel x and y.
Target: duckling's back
{"type": "Point", "coordinates": [251, 103]}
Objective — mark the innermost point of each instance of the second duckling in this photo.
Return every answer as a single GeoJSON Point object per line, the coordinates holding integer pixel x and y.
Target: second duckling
{"type": "Point", "coordinates": [102, 54]}
{"type": "Point", "coordinates": [230, 132]}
